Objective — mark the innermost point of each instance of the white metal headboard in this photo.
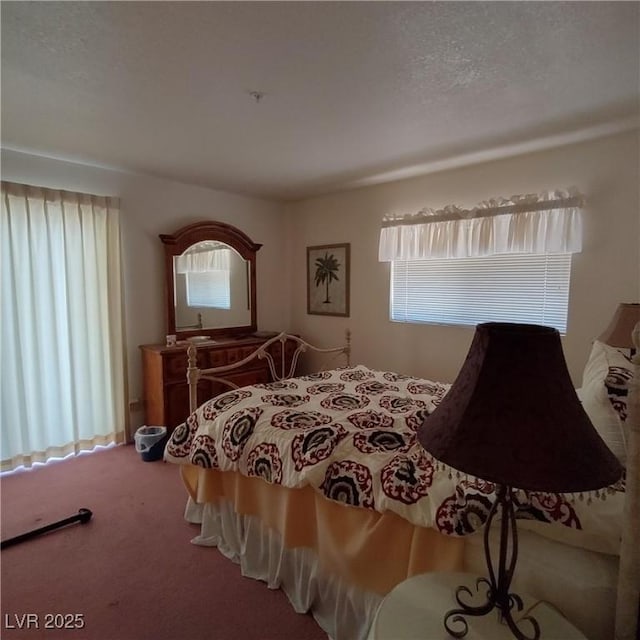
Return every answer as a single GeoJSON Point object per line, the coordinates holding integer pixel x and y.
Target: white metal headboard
{"type": "Point", "coordinates": [279, 370]}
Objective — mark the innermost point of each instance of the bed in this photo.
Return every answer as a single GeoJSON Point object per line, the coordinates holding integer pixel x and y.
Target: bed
{"type": "Point", "coordinates": [316, 484]}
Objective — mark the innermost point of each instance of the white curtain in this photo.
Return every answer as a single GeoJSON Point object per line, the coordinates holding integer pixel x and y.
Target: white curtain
{"type": "Point", "coordinates": [204, 261]}
{"type": "Point", "coordinates": [532, 223]}
{"type": "Point", "coordinates": [62, 338]}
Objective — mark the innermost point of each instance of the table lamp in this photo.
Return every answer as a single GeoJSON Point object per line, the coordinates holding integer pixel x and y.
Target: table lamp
{"type": "Point", "coordinates": [512, 417]}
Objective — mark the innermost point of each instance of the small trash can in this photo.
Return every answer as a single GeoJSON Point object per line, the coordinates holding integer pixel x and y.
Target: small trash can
{"type": "Point", "coordinates": [150, 442]}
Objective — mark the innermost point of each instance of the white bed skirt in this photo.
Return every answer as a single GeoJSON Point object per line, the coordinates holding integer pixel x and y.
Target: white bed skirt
{"type": "Point", "coordinates": [580, 583]}
{"type": "Point", "coordinates": [343, 611]}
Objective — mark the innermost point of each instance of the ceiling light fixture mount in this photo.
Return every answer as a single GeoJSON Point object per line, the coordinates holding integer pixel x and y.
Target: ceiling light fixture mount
{"type": "Point", "coordinates": [257, 95]}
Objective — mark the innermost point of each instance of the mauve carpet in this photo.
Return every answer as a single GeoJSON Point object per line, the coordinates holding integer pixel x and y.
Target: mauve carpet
{"type": "Point", "coordinates": [130, 573]}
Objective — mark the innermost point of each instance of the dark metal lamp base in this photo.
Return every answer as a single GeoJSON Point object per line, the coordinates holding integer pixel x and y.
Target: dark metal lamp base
{"type": "Point", "coordinates": [497, 596]}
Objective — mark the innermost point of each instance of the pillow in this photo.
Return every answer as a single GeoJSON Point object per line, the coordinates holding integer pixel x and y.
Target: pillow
{"type": "Point", "coordinates": [604, 395]}
{"type": "Point", "coordinates": [617, 384]}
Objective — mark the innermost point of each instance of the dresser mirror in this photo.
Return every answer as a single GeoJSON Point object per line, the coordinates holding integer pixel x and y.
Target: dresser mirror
{"type": "Point", "coordinates": [210, 281]}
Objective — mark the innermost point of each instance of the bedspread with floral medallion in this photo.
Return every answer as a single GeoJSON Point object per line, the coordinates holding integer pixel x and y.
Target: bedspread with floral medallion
{"type": "Point", "coordinates": [351, 434]}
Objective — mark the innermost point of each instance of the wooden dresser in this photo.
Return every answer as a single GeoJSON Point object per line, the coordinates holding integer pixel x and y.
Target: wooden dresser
{"type": "Point", "coordinates": [166, 393]}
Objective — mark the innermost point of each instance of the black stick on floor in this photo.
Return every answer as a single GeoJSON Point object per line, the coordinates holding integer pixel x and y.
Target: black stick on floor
{"type": "Point", "coordinates": [83, 516]}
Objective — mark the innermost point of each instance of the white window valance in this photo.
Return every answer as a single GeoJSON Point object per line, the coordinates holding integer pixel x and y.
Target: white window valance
{"type": "Point", "coordinates": [532, 223]}
{"type": "Point", "coordinates": [204, 261]}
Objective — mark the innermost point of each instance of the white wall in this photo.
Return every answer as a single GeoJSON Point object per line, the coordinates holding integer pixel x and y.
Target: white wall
{"type": "Point", "coordinates": [150, 206]}
{"type": "Point", "coordinates": [605, 273]}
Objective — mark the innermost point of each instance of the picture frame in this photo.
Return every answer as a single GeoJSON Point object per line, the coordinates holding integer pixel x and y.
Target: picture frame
{"type": "Point", "coordinates": [328, 277]}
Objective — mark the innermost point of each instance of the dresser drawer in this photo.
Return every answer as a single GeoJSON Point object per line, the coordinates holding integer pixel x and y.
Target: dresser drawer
{"type": "Point", "coordinates": [175, 364]}
{"type": "Point", "coordinates": [166, 392]}
{"type": "Point", "coordinates": [235, 354]}
{"type": "Point", "coordinates": [246, 378]}
{"type": "Point", "coordinates": [218, 358]}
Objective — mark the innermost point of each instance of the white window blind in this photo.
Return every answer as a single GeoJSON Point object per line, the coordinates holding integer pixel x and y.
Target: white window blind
{"type": "Point", "coordinates": [209, 289]}
{"type": "Point", "coordinates": [523, 288]}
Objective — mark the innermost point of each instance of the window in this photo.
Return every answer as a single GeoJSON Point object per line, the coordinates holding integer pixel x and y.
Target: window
{"type": "Point", "coordinates": [504, 260]}
{"type": "Point", "coordinates": [523, 288]}
{"type": "Point", "coordinates": [209, 289]}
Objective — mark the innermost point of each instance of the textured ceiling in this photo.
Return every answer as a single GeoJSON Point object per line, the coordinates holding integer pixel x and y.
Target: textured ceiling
{"type": "Point", "coordinates": [354, 92]}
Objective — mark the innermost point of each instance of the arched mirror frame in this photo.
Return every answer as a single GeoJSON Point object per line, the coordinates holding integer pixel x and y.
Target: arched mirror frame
{"type": "Point", "coordinates": [177, 243]}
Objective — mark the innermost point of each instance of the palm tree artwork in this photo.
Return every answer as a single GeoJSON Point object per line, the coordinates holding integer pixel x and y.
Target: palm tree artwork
{"type": "Point", "coordinates": [327, 268]}
{"type": "Point", "coordinates": [328, 279]}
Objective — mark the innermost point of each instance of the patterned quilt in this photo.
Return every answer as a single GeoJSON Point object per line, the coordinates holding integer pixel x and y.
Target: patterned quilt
{"type": "Point", "coordinates": [351, 434]}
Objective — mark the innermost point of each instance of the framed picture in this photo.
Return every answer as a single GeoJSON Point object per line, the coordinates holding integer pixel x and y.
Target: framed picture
{"type": "Point", "coordinates": [328, 280]}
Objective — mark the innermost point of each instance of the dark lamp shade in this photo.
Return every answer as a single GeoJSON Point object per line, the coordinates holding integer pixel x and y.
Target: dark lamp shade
{"type": "Point", "coordinates": [620, 329]}
{"type": "Point", "coordinates": [512, 416]}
